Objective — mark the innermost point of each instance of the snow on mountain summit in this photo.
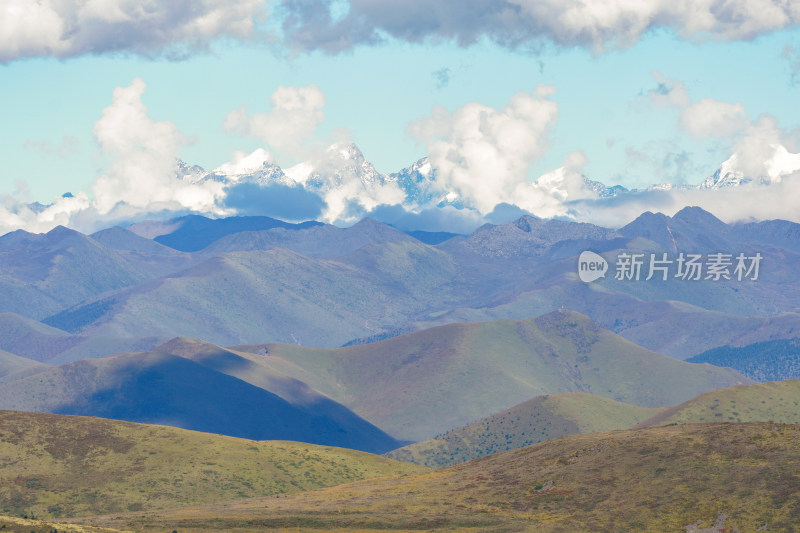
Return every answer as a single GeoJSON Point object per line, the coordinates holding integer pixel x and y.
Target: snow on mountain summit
{"type": "Point", "coordinates": [344, 178]}
{"type": "Point", "coordinates": [727, 175]}
{"type": "Point", "coordinates": [245, 164]}
{"type": "Point", "coordinates": [351, 186]}
{"type": "Point", "coordinates": [730, 173]}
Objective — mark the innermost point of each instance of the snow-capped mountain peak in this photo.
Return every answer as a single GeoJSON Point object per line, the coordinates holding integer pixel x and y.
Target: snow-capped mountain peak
{"type": "Point", "coordinates": [189, 173]}
{"type": "Point", "coordinates": [727, 175]}
{"type": "Point", "coordinates": [245, 164]}
{"type": "Point", "coordinates": [601, 190]}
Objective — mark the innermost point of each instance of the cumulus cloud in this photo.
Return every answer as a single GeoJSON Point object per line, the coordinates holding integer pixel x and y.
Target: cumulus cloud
{"type": "Point", "coordinates": [143, 156]}
{"type": "Point", "coordinates": [68, 28]}
{"type": "Point", "coordinates": [598, 25]}
{"type": "Point", "coordinates": [484, 155]}
{"type": "Point", "coordinates": [141, 174]}
{"type": "Point", "coordinates": [289, 127]}
{"type": "Point", "coordinates": [16, 214]}
{"type": "Point", "coordinates": [713, 118]}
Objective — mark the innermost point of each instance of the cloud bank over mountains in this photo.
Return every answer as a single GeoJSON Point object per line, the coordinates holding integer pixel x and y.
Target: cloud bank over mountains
{"type": "Point", "coordinates": [179, 28]}
{"type": "Point", "coordinates": [477, 169]}
{"type": "Point", "coordinates": [600, 25]}
{"type": "Point", "coordinates": [169, 28]}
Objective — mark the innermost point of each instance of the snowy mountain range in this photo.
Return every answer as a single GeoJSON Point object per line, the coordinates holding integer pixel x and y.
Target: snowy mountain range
{"type": "Point", "coordinates": [342, 176]}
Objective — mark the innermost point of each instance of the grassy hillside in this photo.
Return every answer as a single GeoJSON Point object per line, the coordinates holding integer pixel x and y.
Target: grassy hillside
{"type": "Point", "coordinates": [661, 479]}
{"type": "Point", "coordinates": [195, 232]}
{"type": "Point", "coordinates": [556, 415]}
{"type": "Point", "coordinates": [160, 387]}
{"type": "Point", "coordinates": [16, 524]}
{"type": "Point", "coordinates": [34, 340]}
{"type": "Point", "coordinates": [669, 327]}
{"type": "Point", "coordinates": [10, 364]}
{"type": "Point", "coordinates": [537, 420]}
{"type": "Point", "coordinates": [247, 297]}
{"type": "Point", "coordinates": [315, 241]}
{"type": "Point", "coordinates": [418, 385]}
{"type": "Point", "coordinates": [59, 466]}
{"type": "Point", "coordinates": [44, 273]}
{"type": "Point", "coordinates": [766, 402]}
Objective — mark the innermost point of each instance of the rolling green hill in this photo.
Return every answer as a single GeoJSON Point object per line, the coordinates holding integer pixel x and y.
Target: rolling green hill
{"type": "Point", "coordinates": [556, 415]}
{"type": "Point", "coordinates": [537, 420]}
{"type": "Point", "coordinates": [743, 477]}
{"type": "Point", "coordinates": [418, 385]}
{"type": "Point", "coordinates": [41, 274]}
{"type": "Point", "coordinates": [777, 401]}
{"type": "Point", "coordinates": [59, 466]}
{"type": "Point", "coordinates": [246, 297]}
{"type": "Point", "coordinates": [10, 364]}
{"type": "Point", "coordinates": [34, 340]}
{"type": "Point", "coordinates": [315, 241]}
{"type": "Point", "coordinates": [193, 385]}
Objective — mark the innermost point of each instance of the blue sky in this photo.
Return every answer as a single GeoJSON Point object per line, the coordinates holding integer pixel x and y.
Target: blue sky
{"type": "Point", "coordinates": [604, 76]}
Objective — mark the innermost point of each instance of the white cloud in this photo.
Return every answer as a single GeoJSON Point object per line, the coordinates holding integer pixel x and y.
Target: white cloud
{"type": "Point", "coordinates": [761, 152]}
{"type": "Point", "coordinates": [668, 92]}
{"type": "Point", "coordinates": [751, 201]}
{"type": "Point", "coordinates": [713, 118]}
{"type": "Point", "coordinates": [68, 28]}
{"type": "Point", "coordinates": [289, 127]}
{"type": "Point", "coordinates": [598, 25]}
{"type": "Point", "coordinates": [144, 159]}
{"type": "Point", "coordinates": [759, 147]}
{"type": "Point", "coordinates": [15, 214]}
{"type": "Point", "coordinates": [483, 154]}
{"type": "Point", "coordinates": [141, 175]}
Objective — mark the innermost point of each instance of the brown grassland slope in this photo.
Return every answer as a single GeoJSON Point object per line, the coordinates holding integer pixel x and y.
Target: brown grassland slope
{"type": "Point", "coordinates": [777, 401]}
{"type": "Point", "coordinates": [659, 479]}
{"type": "Point", "coordinates": [59, 466]}
{"type": "Point", "coordinates": [537, 420]}
{"type": "Point", "coordinates": [557, 415]}
{"type": "Point", "coordinates": [15, 524]}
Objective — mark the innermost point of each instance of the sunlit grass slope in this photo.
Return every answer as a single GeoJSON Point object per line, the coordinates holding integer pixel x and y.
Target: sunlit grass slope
{"type": "Point", "coordinates": [537, 420]}
{"type": "Point", "coordinates": [58, 466]}
{"type": "Point", "coordinates": [659, 479]}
